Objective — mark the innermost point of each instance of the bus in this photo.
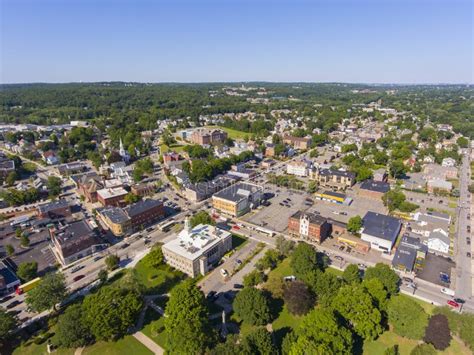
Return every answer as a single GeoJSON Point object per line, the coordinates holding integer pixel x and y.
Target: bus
{"type": "Point", "coordinates": [27, 286]}
{"type": "Point", "coordinates": [20, 220]}
{"type": "Point", "coordinates": [265, 231]}
{"type": "Point", "coordinates": [165, 227]}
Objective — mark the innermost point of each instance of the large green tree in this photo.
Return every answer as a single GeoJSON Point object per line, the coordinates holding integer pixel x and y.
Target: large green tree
{"type": "Point", "coordinates": [7, 324]}
{"type": "Point", "coordinates": [386, 275]}
{"type": "Point", "coordinates": [111, 311]}
{"type": "Point", "coordinates": [258, 342]}
{"type": "Point", "coordinates": [187, 323]}
{"type": "Point", "coordinates": [252, 306]}
{"type": "Point", "coordinates": [298, 298]}
{"type": "Point", "coordinates": [320, 332]}
{"type": "Point", "coordinates": [50, 291]}
{"type": "Point", "coordinates": [27, 271]}
{"type": "Point", "coordinates": [356, 306]}
{"type": "Point", "coordinates": [304, 260]}
{"type": "Point", "coordinates": [71, 332]}
{"type": "Point", "coordinates": [407, 317]}
{"type": "Point", "coordinates": [351, 274]}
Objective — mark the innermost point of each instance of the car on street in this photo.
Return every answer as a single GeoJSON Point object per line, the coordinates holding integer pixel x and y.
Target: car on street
{"type": "Point", "coordinates": [238, 286]}
{"type": "Point", "coordinates": [13, 304]}
{"type": "Point", "coordinates": [76, 269]}
{"type": "Point", "coordinates": [468, 254]}
{"type": "Point", "coordinates": [97, 258]}
{"type": "Point", "coordinates": [125, 245]}
{"type": "Point", "coordinates": [236, 227]}
{"type": "Point", "coordinates": [224, 272]}
{"type": "Point", "coordinates": [340, 258]}
{"type": "Point", "coordinates": [453, 303]}
{"type": "Point", "coordinates": [6, 298]}
{"type": "Point", "coordinates": [238, 261]}
{"type": "Point", "coordinates": [459, 300]}
{"type": "Point", "coordinates": [78, 277]}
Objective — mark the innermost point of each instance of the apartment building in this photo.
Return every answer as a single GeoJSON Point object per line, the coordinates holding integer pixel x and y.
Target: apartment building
{"type": "Point", "coordinates": [298, 168]}
{"type": "Point", "coordinates": [237, 199]}
{"type": "Point", "coordinates": [204, 136]}
{"type": "Point", "coordinates": [335, 179]}
{"type": "Point", "coordinates": [309, 226]}
{"type": "Point", "coordinates": [302, 143]}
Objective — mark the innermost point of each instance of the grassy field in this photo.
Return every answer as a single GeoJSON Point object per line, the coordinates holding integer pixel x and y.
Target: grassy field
{"type": "Point", "coordinates": [157, 280]}
{"type": "Point", "coordinates": [153, 322]}
{"type": "Point", "coordinates": [124, 346]}
{"type": "Point", "coordinates": [31, 348]}
{"type": "Point", "coordinates": [232, 133]}
{"type": "Point", "coordinates": [175, 147]}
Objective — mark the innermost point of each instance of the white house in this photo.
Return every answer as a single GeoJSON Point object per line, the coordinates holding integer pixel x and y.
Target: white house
{"type": "Point", "coordinates": [448, 162]}
{"type": "Point", "coordinates": [438, 241]}
{"type": "Point", "coordinates": [298, 168]}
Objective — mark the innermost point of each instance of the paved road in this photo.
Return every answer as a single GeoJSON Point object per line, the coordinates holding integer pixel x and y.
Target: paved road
{"type": "Point", "coordinates": [464, 279]}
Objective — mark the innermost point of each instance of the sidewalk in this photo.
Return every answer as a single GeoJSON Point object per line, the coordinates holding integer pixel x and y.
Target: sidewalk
{"type": "Point", "coordinates": [150, 344]}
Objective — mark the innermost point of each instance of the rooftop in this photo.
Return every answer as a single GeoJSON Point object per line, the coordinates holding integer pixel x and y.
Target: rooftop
{"type": "Point", "coordinates": [191, 244]}
{"type": "Point", "coordinates": [238, 191]}
{"type": "Point", "coordinates": [142, 206]}
{"type": "Point", "coordinates": [114, 214]}
{"type": "Point", "coordinates": [112, 192]}
{"type": "Point", "coordinates": [52, 206]}
{"type": "Point", "coordinates": [377, 186]}
{"type": "Point", "coordinates": [381, 226]}
{"type": "Point", "coordinates": [313, 218]}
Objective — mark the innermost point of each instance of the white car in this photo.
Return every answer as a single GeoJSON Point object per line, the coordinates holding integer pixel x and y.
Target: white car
{"type": "Point", "coordinates": [224, 272]}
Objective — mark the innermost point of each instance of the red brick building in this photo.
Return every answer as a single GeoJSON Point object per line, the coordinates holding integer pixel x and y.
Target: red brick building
{"type": "Point", "coordinates": [204, 136]}
{"type": "Point", "coordinates": [112, 196]}
{"type": "Point", "coordinates": [145, 212]}
{"type": "Point", "coordinates": [309, 226]}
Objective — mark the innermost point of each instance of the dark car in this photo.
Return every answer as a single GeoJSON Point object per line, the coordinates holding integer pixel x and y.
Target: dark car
{"type": "Point", "coordinates": [13, 304]}
{"type": "Point", "coordinates": [78, 277]}
{"type": "Point", "coordinates": [468, 254]}
{"type": "Point", "coordinates": [6, 298]}
{"type": "Point", "coordinates": [125, 245]}
{"type": "Point", "coordinates": [238, 286]}
{"type": "Point", "coordinates": [76, 269]}
{"type": "Point", "coordinates": [459, 300]}
{"type": "Point", "coordinates": [14, 313]}
{"type": "Point", "coordinates": [211, 295]}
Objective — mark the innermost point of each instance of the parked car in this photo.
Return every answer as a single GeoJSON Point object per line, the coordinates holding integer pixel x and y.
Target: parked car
{"type": "Point", "coordinates": [76, 269]}
{"type": "Point", "coordinates": [459, 300]}
{"type": "Point", "coordinates": [13, 304]}
{"type": "Point", "coordinates": [78, 277]}
{"type": "Point", "coordinates": [453, 304]}
{"type": "Point", "coordinates": [224, 272]}
{"type": "Point", "coordinates": [6, 298]}
{"type": "Point", "coordinates": [238, 286]}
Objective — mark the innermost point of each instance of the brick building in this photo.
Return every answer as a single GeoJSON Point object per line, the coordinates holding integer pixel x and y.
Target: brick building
{"type": "Point", "coordinates": [374, 189]}
{"type": "Point", "coordinates": [204, 136]}
{"type": "Point", "coordinates": [309, 226]}
{"type": "Point", "coordinates": [54, 210]}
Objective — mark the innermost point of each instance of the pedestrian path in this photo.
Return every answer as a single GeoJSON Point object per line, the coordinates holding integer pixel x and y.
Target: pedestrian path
{"type": "Point", "coordinates": [150, 344]}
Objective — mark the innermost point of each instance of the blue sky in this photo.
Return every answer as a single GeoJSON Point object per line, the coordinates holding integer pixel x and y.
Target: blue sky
{"type": "Point", "coordinates": [373, 41]}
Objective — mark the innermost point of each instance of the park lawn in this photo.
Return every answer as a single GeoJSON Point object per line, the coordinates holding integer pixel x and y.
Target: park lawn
{"type": "Point", "coordinates": [124, 346]}
{"type": "Point", "coordinates": [30, 348]}
{"type": "Point", "coordinates": [286, 320]}
{"type": "Point", "coordinates": [232, 133]}
{"type": "Point", "coordinates": [405, 345]}
{"type": "Point", "coordinates": [152, 322]}
{"type": "Point", "coordinates": [158, 280]}
{"type": "Point", "coordinates": [175, 147]}
{"type": "Point", "coordinates": [426, 306]}
{"type": "Point", "coordinates": [282, 270]}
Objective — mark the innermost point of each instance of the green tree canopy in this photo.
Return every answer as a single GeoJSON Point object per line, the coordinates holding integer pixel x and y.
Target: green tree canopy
{"type": "Point", "coordinates": [187, 323]}
{"type": "Point", "coordinates": [304, 260]}
{"type": "Point", "coordinates": [407, 317]}
{"type": "Point", "coordinates": [355, 224]}
{"type": "Point", "coordinates": [258, 342]}
{"type": "Point", "coordinates": [351, 274]}
{"type": "Point", "coordinates": [321, 333]}
{"type": "Point", "coordinates": [7, 324]}
{"type": "Point", "coordinates": [27, 271]}
{"type": "Point", "coordinates": [386, 275]}
{"type": "Point", "coordinates": [50, 291]}
{"type": "Point", "coordinates": [71, 332]}
{"type": "Point", "coordinates": [252, 306]}
{"type": "Point", "coordinates": [355, 305]}
{"type": "Point", "coordinates": [111, 311]}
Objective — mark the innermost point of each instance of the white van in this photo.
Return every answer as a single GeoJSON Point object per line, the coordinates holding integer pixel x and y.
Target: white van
{"type": "Point", "coordinates": [447, 291]}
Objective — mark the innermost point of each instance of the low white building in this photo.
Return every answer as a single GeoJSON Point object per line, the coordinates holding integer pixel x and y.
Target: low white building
{"type": "Point", "coordinates": [448, 162]}
{"type": "Point", "coordinates": [195, 250]}
{"type": "Point", "coordinates": [380, 230]}
{"type": "Point", "coordinates": [438, 241]}
{"type": "Point", "coordinates": [298, 168]}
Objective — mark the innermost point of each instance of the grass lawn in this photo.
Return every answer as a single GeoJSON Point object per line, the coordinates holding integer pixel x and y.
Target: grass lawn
{"type": "Point", "coordinates": [286, 319]}
{"type": "Point", "coordinates": [154, 321]}
{"type": "Point", "coordinates": [175, 147]}
{"type": "Point", "coordinates": [30, 348]}
{"type": "Point", "coordinates": [232, 133]}
{"type": "Point", "coordinates": [157, 280]}
{"type": "Point", "coordinates": [282, 270]}
{"type": "Point", "coordinates": [125, 346]}
{"type": "Point", "coordinates": [238, 241]}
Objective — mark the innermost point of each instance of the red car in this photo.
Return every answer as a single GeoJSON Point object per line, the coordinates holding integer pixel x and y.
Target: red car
{"type": "Point", "coordinates": [453, 304]}
{"type": "Point", "coordinates": [78, 277]}
{"type": "Point", "coordinates": [236, 227]}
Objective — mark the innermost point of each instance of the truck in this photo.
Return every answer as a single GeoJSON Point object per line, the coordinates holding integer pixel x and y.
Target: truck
{"type": "Point", "coordinates": [28, 286]}
{"type": "Point", "coordinates": [447, 291]}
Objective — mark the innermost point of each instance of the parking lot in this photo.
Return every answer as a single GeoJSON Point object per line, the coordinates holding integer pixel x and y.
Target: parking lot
{"type": "Point", "coordinates": [38, 251]}
{"type": "Point", "coordinates": [434, 265]}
